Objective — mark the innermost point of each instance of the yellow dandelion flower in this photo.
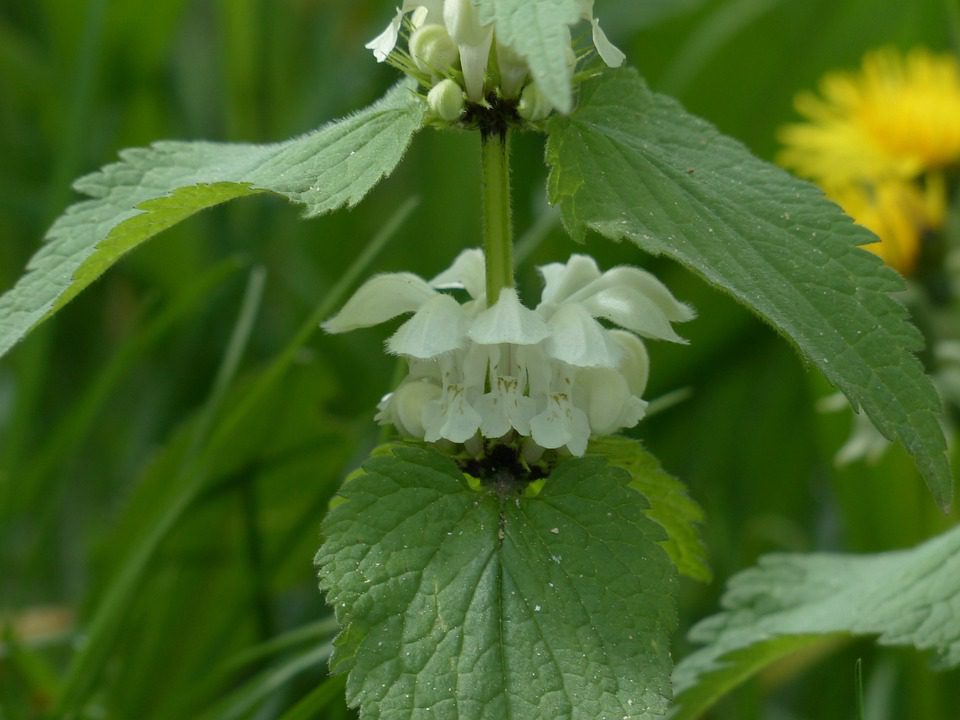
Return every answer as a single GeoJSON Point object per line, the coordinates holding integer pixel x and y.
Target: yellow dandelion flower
{"type": "Point", "coordinates": [878, 141]}
{"type": "Point", "coordinates": [897, 117]}
{"type": "Point", "coordinates": [899, 213]}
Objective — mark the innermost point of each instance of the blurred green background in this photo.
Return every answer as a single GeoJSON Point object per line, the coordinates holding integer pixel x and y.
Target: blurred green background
{"type": "Point", "coordinates": [161, 490]}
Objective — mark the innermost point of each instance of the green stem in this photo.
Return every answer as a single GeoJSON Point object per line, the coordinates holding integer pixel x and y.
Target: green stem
{"type": "Point", "coordinates": [497, 223]}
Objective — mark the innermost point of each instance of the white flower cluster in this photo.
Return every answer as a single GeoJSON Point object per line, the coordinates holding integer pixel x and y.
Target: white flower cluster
{"type": "Point", "coordinates": [449, 50]}
{"type": "Point", "coordinates": [554, 375]}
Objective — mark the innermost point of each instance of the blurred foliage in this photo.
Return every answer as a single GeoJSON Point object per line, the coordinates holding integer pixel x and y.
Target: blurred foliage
{"type": "Point", "coordinates": [133, 431]}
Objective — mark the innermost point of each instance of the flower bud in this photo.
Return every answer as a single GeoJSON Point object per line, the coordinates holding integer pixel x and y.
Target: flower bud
{"type": "Point", "coordinates": [433, 50]}
{"type": "Point", "coordinates": [407, 404]}
{"type": "Point", "coordinates": [446, 100]}
{"type": "Point", "coordinates": [533, 106]}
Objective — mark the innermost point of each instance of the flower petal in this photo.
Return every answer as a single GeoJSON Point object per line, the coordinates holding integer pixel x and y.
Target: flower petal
{"type": "Point", "coordinates": [508, 321]}
{"type": "Point", "coordinates": [404, 408]}
{"type": "Point", "coordinates": [384, 43]}
{"type": "Point", "coordinates": [463, 22]}
{"type": "Point", "coordinates": [450, 417]}
{"type": "Point", "coordinates": [632, 310]}
{"type": "Point", "coordinates": [608, 52]}
{"type": "Point", "coordinates": [436, 328]}
{"type": "Point", "coordinates": [474, 40]}
{"type": "Point", "coordinates": [429, 12]}
{"type": "Point", "coordinates": [579, 340]}
{"type": "Point", "coordinates": [513, 70]}
{"type": "Point", "coordinates": [505, 408]}
{"type": "Point", "coordinates": [643, 282]}
{"type": "Point", "coordinates": [607, 401]}
{"type": "Point", "coordinates": [635, 362]}
{"type": "Point", "coordinates": [468, 272]}
{"type": "Point", "coordinates": [495, 422]}
{"type": "Point", "coordinates": [534, 368]}
{"type": "Point", "coordinates": [561, 424]}
{"type": "Point", "coordinates": [563, 280]}
{"type": "Point", "coordinates": [381, 298]}
{"type": "Point", "coordinates": [473, 62]}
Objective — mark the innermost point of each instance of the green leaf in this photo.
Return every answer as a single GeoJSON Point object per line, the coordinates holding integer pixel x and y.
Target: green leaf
{"type": "Point", "coordinates": [539, 30]}
{"type": "Point", "coordinates": [153, 188]}
{"type": "Point", "coordinates": [670, 505]}
{"type": "Point", "coordinates": [459, 604]}
{"type": "Point", "coordinates": [632, 164]}
{"type": "Point", "coordinates": [909, 597]}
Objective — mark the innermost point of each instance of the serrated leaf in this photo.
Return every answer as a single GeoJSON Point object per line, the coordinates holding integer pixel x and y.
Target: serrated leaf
{"type": "Point", "coordinates": [462, 604]}
{"type": "Point", "coordinates": [632, 164]}
{"type": "Point", "coordinates": [671, 506]}
{"type": "Point", "coordinates": [539, 30]}
{"type": "Point", "coordinates": [909, 597]}
{"type": "Point", "coordinates": [153, 188]}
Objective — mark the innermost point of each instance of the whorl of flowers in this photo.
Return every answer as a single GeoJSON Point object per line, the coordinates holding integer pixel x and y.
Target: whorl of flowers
{"type": "Point", "coordinates": [548, 378]}
{"type": "Point", "coordinates": [879, 142]}
{"type": "Point", "coordinates": [458, 59]}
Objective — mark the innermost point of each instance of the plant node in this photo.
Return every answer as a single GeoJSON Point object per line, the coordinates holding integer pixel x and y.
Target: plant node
{"type": "Point", "coordinates": [502, 470]}
{"type": "Point", "coordinates": [493, 117]}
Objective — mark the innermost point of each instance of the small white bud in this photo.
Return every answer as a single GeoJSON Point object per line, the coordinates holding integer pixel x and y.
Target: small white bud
{"type": "Point", "coordinates": [433, 50]}
{"type": "Point", "coordinates": [446, 100]}
{"type": "Point", "coordinates": [408, 403]}
{"type": "Point", "coordinates": [533, 105]}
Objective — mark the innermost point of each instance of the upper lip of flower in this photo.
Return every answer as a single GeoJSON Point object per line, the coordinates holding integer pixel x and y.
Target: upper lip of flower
{"type": "Point", "coordinates": [575, 294]}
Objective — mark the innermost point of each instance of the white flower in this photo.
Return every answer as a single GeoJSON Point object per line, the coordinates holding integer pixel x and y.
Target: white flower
{"type": "Point", "coordinates": [463, 29]}
{"type": "Point", "coordinates": [448, 35]}
{"type": "Point", "coordinates": [474, 40]}
{"type": "Point", "coordinates": [554, 374]}
{"type": "Point", "coordinates": [384, 43]}
{"type": "Point", "coordinates": [607, 51]}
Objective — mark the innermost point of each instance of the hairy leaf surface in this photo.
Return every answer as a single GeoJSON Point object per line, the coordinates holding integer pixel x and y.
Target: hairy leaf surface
{"type": "Point", "coordinates": [153, 188]}
{"type": "Point", "coordinates": [909, 597]}
{"type": "Point", "coordinates": [632, 164]}
{"type": "Point", "coordinates": [670, 504]}
{"type": "Point", "coordinates": [539, 31]}
{"type": "Point", "coordinates": [466, 604]}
